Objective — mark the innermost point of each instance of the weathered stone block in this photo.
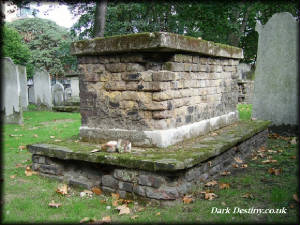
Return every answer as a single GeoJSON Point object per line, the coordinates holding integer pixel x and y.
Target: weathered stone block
{"type": "Point", "coordinates": [109, 181]}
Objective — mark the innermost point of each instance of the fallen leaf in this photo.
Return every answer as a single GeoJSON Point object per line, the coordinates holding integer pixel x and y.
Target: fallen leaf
{"type": "Point", "coordinates": [235, 165]}
{"type": "Point", "coordinates": [209, 163]}
{"type": "Point", "coordinates": [187, 199]}
{"type": "Point", "coordinates": [261, 155]}
{"type": "Point", "coordinates": [88, 192]}
{"type": "Point", "coordinates": [62, 189]}
{"type": "Point", "coordinates": [134, 217]}
{"type": "Point", "coordinates": [29, 172]}
{"type": "Point", "coordinates": [295, 197]}
{"type": "Point", "coordinates": [123, 209]}
{"type": "Point", "coordinates": [97, 190]}
{"type": "Point", "coordinates": [76, 141]}
{"type": "Point", "coordinates": [274, 171]}
{"type": "Point", "coordinates": [157, 214]}
{"type": "Point", "coordinates": [294, 141]}
{"type": "Point", "coordinates": [115, 203]}
{"type": "Point", "coordinates": [244, 166]}
{"type": "Point", "coordinates": [272, 151]}
{"type": "Point", "coordinates": [54, 205]}
{"type": "Point", "coordinates": [16, 135]}
{"type": "Point", "coordinates": [115, 195]}
{"type": "Point", "coordinates": [140, 209]}
{"type": "Point", "coordinates": [269, 161]}
{"type": "Point", "coordinates": [238, 160]}
{"type": "Point", "coordinates": [95, 150]}
{"type": "Point", "coordinates": [225, 173]}
{"type": "Point", "coordinates": [13, 176]}
{"type": "Point", "coordinates": [280, 150]}
{"type": "Point", "coordinates": [248, 195]}
{"type": "Point", "coordinates": [254, 158]}
{"type": "Point", "coordinates": [210, 196]}
{"type": "Point", "coordinates": [213, 134]}
{"type": "Point", "coordinates": [57, 140]}
{"type": "Point", "coordinates": [292, 206]}
{"type": "Point", "coordinates": [223, 203]}
{"type": "Point", "coordinates": [224, 186]}
{"type": "Point", "coordinates": [35, 135]}
{"type": "Point", "coordinates": [102, 201]}
{"type": "Point", "coordinates": [106, 219]}
{"type": "Point", "coordinates": [211, 183]}
{"type": "Point", "coordinates": [293, 157]}
{"type": "Point", "coordinates": [85, 219]}
{"type": "Point", "coordinates": [19, 165]}
{"type": "Point", "coordinates": [52, 137]}
{"type": "Point", "coordinates": [22, 147]}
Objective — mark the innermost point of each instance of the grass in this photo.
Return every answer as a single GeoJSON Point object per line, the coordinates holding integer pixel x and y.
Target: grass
{"type": "Point", "coordinates": [26, 198]}
{"type": "Point", "coordinates": [245, 111]}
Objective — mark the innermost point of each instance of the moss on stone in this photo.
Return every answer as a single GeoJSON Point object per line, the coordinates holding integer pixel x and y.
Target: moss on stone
{"type": "Point", "coordinates": [180, 156]}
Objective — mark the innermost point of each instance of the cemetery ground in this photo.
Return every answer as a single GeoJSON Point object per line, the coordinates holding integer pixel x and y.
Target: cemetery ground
{"type": "Point", "coordinates": [268, 180]}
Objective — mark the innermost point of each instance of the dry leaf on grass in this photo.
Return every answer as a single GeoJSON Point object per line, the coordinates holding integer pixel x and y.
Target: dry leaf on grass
{"type": "Point", "coordinates": [16, 135]}
{"type": "Point", "coordinates": [244, 166]}
{"type": "Point", "coordinates": [211, 183]}
{"type": "Point", "coordinates": [134, 217]}
{"type": "Point", "coordinates": [157, 214]}
{"type": "Point", "coordinates": [62, 189]}
{"type": "Point", "coordinates": [57, 140]}
{"type": "Point", "coordinates": [52, 137]}
{"type": "Point", "coordinates": [187, 199]}
{"type": "Point", "coordinates": [224, 186]}
{"type": "Point", "coordinates": [115, 195]}
{"type": "Point", "coordinates": [272, 151]}
{"type": "Point", "coordinates": [274, 171]}
{"type": "Point", "coordinates": [106, 219]}
{"type": "Point", "coordinates": [295, 197]}
{"type": "Point", "coordinates": [209, 195]}
{"type": "Point", "coordinates": [293, 157]}
{"type": "Point", "coordinates": [35, 135]}
{"type": "Point", "coordinates": [261, 155]}
{"type": "Point", "coordinates": [238, 159]}
{"type": "Point", "coordinates": [86, 219]}
{"type": "Point", "coordinates": [209, 163]}
{"type": "Point", "coordinates": [269, 161]}
{"type": "Point", "coordinates": [29, 172]}
{"type": "Point", "coordinates": [95, 150]}
{"type": "Point", "coordinates": [225, 173]}
{"type": "Point", "coordinates": [235, 165]}
{"type": "Point", "coordinates": [254, 158]}
{"type": "Point", "coordinates": [97, 190]}
{"type": "Point", "coordinates": [103, 201]}
{"type": "Point", "coordinates": [54, 205]}
{"type": "Point", "coordinates": [123, 209]}
{"type": "Point", "coordinates": [13, 176]}
{"type": "Point", "coordinates": [248, 195]}
{"type": "Point", "coordinates": [22, 147]}
{"type": "Point", "coordinates": [19, 165]}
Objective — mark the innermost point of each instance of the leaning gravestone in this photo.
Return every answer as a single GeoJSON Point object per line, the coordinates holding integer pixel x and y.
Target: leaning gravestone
{"type": "Point", "coordinates": [11, 108]}
{"type": "Point", "coordinates": [58, 94]}
{"type": "Point", "coordinates": [276, 76]}
{"type": "Point", "coordinates": [23, 86]}
{"type": "Point", "coordinates": [42, 89]}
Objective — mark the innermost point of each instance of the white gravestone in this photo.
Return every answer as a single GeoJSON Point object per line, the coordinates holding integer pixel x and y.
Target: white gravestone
{"type": "Point", "coordinates": [23, 86]}
{"type": "Point", "coordinates": [42, 88]}
{"type": "Point", "coordinates": [276, 76]}
{"type": "Point", "coordinates": [58, 94]}
{"type": "Point", "coordinates": [12, 111]}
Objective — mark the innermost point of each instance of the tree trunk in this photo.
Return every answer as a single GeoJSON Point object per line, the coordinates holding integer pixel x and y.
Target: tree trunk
{"type": "Point", "coordinates": [99, 25]}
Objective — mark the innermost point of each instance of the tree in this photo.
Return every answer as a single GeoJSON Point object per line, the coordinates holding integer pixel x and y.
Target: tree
{"type": "Point", "coordinates": [48, 42]}
{"type": "Point", "coordinates": [14, 48]}
{"type": "Point", "coordinates": [231, 22]}
{"type": "Point", "coordinates": [99, 27]}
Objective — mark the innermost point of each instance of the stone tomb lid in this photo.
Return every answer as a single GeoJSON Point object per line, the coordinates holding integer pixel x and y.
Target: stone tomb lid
{"type": "Point", "coordinates": [177, 157]}
{"type": "Point", "coordinates": [154, 42]}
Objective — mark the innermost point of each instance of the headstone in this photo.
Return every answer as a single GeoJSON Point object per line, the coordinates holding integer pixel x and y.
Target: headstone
{"type": "Point", "coordinates": [31, 94]}
{"type": "Point", "coordinates": [68, 94]}
{"type": "Point", "coordinates": [74, 85]}
{"type": "Point", "coordinates": [23, 86]}
{"type": "Point", "coordinates": [276, 76]}
{"type": "Point", "coordinates": [58, 94]}
{"type": "Point", "coordinates": [42, 89]}
{"type": "Point", "coordinates": [12, 110]}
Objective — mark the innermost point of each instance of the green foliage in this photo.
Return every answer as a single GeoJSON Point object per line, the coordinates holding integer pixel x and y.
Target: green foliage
{"type": "Point", "coordinates": [231, 22]}
{"type": "Point", "coordinates": [49, 44]}
{"type": "Point", "coordinates": [14, 48]}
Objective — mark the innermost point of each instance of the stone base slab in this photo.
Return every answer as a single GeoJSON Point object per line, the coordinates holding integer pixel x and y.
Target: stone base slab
{"type": "Point", "coordinates": [159, 138]}
{"type": "Point", "coordinates": [142, 175]}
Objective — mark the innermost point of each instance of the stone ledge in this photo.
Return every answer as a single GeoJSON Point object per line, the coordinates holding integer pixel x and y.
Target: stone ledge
{"type": "Point", "coordinates": [154, 42]}
{"type": "Point", "coordinates": [177, 157]}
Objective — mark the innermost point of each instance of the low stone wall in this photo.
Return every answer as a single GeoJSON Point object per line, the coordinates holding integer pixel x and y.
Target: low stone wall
{"type": "Point", "coordinates": [163, 186]}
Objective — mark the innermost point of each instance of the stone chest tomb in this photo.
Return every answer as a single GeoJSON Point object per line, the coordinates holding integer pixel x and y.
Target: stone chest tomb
{"type": "Point", "coordinates": [173, 97]}
{"type": "Point", "coordinates": [155, 89]}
